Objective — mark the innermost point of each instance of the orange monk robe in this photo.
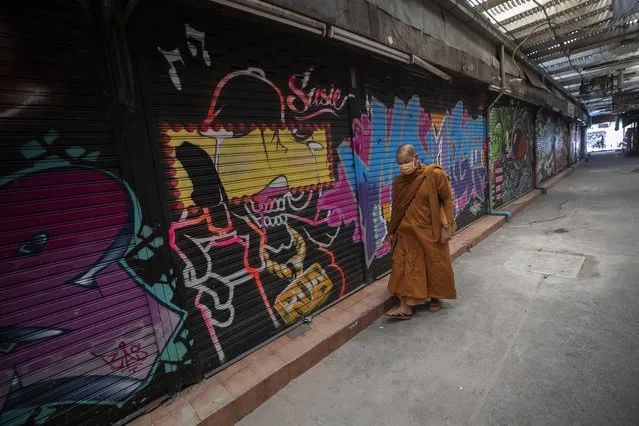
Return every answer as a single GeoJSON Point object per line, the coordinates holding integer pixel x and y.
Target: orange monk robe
{"type": "Point", "coordinates": [422, 267]}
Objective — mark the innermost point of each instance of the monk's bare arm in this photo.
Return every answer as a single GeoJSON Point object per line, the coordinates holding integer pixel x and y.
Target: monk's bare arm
{"type": "Point", "coordinates": [445, 194]}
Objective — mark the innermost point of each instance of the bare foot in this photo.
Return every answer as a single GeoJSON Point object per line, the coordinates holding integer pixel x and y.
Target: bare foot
{"type": "Point", "coordinates": [402, 311]}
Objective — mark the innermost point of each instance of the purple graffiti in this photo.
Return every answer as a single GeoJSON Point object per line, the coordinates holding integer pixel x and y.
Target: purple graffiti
{"type": "Point", "coordinates": [70, 308]}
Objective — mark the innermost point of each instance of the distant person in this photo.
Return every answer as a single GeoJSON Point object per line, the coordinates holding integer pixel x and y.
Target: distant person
{"type": "Point", "coordinates": [421, 226]}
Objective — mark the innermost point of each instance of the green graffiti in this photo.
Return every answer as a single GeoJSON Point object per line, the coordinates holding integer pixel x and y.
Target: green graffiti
{"type": "Point", "coordinates": [32, 149]}
{"type": "Point", "coordinates": [75, 151]}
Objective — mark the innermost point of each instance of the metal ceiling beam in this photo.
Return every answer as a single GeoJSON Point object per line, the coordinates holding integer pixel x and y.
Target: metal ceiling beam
{"type": "Point", "coordinates": [575, 79]}
{"type": "Point", "coordinates": [478, 21]}
{"type": "Point", "coordinates": [584, 41]}
{"type": "Point", "coordinates": [585, 23]}
{"type": "Point", "coordinates": [566, 41]}
{"type": "Point", "coordinates": [576, 82]}
{"type": "Point", "coordinates": [580, 11]}
{"type": "Point", "coordinates": [494, 3]}
{"type": "Point", "coordinates": [630, 65]}
{"type": "Point", "coordinates": [596, 40]}
{"type": "Point", "coordinates": [489, 4]}
{"type": "Point", "coordinates": [524, 8]}
{"type": "Point", "coordinates": [590, 56]}
{"type": "Point", "coordinates": [554, 11]}
{"type": "Point", "coordinates": [628, 62]}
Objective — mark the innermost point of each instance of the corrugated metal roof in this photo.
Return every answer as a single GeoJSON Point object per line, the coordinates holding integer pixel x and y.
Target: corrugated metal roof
{"type": "Point", "coordinates": [577, 41]}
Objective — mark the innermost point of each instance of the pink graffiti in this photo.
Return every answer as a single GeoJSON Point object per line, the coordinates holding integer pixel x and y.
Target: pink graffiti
{"type": "Point", "coordinates": [340, 202]}
{"type": "Point", "coordinates": [361, 142]}
{"type": "Point", "coordinates": [217, 103]}
{"type": "Point", "coordinates": [424, 127]}
{"type": "Point", "coordinates": [65, 293]}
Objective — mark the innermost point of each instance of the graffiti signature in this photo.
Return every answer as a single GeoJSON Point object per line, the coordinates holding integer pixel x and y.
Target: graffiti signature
{"type": "Point", "coordinates": [127, 357]}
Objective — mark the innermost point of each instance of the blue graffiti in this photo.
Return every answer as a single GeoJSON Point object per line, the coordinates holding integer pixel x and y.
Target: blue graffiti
{"type": "Point", "coordinates": [451, 139]}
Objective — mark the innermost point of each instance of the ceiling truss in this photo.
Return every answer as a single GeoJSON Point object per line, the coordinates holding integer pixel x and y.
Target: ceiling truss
{"type": "Point", "coordinates": [581, 43]}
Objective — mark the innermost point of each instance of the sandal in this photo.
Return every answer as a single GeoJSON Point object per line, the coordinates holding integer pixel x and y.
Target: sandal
{"type": "Point", "coordinates": [435, 306]}
{"type": "Point", "coordinates": [399, 316]}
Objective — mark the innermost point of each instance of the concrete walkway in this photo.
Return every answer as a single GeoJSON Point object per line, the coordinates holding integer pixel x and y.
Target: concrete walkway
{"type": "Point", "coordinates": [525, 343]}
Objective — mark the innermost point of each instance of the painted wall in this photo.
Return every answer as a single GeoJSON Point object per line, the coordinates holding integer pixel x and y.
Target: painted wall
{"type": "Point", "coordinates": [258, 168]}
{"type": "Point", "coordinates": [575, 142]}
{"type": "Point", "coordinates": [603, 138]}
{"type": "Point", "coordinates": [256, 194]}
{"type": "Point", "coordinates": [553, 144]}
{"type": "Point", "coordinates": [512, 133]}
{"type": "Point", "coordinates": [562, 144]}
{"type": "Point", "coordinates": [450, 132]}
{"type": "Point", "coordinates": [89, 318]}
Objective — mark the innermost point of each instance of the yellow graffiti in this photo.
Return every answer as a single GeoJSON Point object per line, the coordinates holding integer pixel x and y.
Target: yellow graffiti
{"type": "Point", "coordinates": [249, 163]}
{"type": "Point", "coordinates": [437, 120]}
{"type": "Point", "coordinates": [304, 295]}
{"type": "Point", "coordinates": [386, 211]}
{"type": "Point", "coordinates": [297, 261]}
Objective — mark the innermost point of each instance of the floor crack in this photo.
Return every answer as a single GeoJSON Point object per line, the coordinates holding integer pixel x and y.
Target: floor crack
{"type": "Point", "coordinates": [547, 220]}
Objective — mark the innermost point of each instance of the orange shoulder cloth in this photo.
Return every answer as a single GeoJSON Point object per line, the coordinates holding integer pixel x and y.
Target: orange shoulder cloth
{"type": "Point", "coordinates": [406, 188]}
{"type": "Point", "coordinates": [404, 192]}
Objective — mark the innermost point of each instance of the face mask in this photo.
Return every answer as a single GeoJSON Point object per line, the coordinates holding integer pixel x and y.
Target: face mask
{"type": "Point", "coordinates": [408, 168]}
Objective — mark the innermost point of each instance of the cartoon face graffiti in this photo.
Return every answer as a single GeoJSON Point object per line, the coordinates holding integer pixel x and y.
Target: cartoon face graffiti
{"type": "Point", "coordinates": [247, 186]}
{"type": "Point", "coordinates": [72, 312]}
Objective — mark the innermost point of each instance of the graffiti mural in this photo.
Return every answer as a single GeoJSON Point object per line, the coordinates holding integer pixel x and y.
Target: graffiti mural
{"type": "Point", "coordinates": [451, 138]}
{"type": "Point", "coordinates": [553, 144]}
{"type": "Point", "coordinates": [575, 142]}
{"type": "Point", "coordinates": [562, 144]}
{"type": "Point", "coordinates": [257, 166]}
{"type": "Point", "coordinates": [79, 324]}
{"type": "Point", "coordinates": [90, 324]}
{"type": "Point", "coordinates": [511, 142]}
{"type": "Point", "coordinates": [596, 141]}
{"type": "Point", "coordinates": [546, 140]}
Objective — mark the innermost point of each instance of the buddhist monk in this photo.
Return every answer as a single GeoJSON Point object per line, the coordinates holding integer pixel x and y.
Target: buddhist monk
{"type": "Point", "coordinates": [420, 228]}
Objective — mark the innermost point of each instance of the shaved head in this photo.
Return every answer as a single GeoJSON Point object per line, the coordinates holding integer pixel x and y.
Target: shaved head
{"type": "Point", "coordinates": [407, 158]}
{"type": "Point", "coordinates": [406, 150]}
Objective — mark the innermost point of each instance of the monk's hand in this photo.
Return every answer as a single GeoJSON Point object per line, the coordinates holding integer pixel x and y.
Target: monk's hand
{"type": "Point", "coordinates": [445, 235]}
{"type": "Point", "coordinates": [391, 239]}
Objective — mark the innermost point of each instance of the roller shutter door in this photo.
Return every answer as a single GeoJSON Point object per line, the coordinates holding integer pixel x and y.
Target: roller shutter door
{"type": "Point", "coordinates": [253, 125]}
{"type": "Point", "coordinates": [553, 144]}
{"type": "Point", "coordinates": [575, 142]}
{"type": "Point", "coordinates": [446, 125]}
{"type": "Point", "coordinates": [547, 136]}
{"type": "Point", "coordinates": [83, 334]}
{"type": "Point", "coordinates": [512, 141]}
{"type": "Point", "coordinates": [562, 144]}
